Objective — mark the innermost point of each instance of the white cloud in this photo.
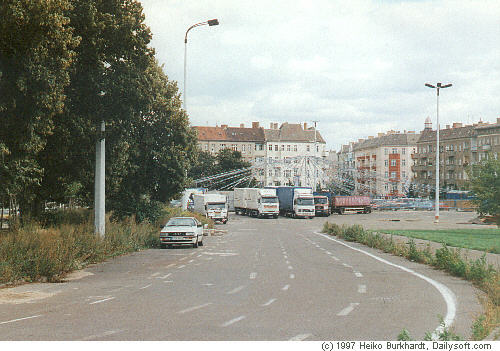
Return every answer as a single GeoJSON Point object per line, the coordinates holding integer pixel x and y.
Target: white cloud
{"type": "Point", "coordinates": [357, 66]}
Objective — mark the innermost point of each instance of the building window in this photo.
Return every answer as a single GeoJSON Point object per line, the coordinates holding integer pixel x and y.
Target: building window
{"type": "Point", "coordinates": [393, 175]}
{"type": "Point", "coordinates": [276, 147]}
{"type": "Point", "coordinates": [282, 147]}
{"type": "Point", "coordinates": [243, 148]}
{"type": "Point", "coordinates": [308, 148]}
{"type": "Point", "coordinates": [386, 174]}
{"type": "Point", "coordinates": [234, 147]}
{"type": "Point", "coordinates": [403, 162]}
{"type": "Point", "coordinates": [270, 147]}
{"type": "Point", "coordinates": [403, 151]}
{"type": "Point", "coordinates": [394, 163]}
{"type": "Point", "coordinates": [295, 148]}
{"type": "Point", "coordinates": [270, 172]}
{"type": "Point", "coordinates": [288, 147]}
{"type": "Point", "coordinates": [403, 174]}
{"type": "Point", "coordinates": [394, 151]}
{"type": "Point", "coordinates": [386, 163]}
{"type": "Point", "coordinates": [288, 173]}
{"type": "Point", "coordinates": [386, 151]}
{"type": "Point", "coordinates": [295, 172]}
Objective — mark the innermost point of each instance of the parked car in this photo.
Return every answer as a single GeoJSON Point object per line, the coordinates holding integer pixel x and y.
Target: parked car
{"type": "Point", "coordinates": [182, 231]}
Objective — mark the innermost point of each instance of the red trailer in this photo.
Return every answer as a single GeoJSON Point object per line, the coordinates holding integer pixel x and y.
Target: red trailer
{"type": "Point", "coordinates": [358, 204]}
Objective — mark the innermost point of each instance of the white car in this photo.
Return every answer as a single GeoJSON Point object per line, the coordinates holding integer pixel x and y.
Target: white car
{"type": "Point", "coordinates": [182, 231]}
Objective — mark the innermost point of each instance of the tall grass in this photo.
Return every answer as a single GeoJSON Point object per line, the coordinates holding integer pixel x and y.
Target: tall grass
{"type": "Point", "coordinates": [66, 241]}
{"type": "Point", "coordinates": [483, 275]}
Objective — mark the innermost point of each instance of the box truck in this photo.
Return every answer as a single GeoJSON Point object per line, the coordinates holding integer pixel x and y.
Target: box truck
{"type": "Point", "coordinates": [322, 203]}
{"type": "Point", "coordinates": [295, 201]}
{"type": "Point", "coordinates": [256, 202]}
{"type": "Point", "coordinates": [358, 204]}
{"type": "Point", "coordinates": [213, 206]}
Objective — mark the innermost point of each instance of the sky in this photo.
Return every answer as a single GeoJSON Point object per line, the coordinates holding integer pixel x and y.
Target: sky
{"type": "Point", "coordinates": [357, 67]}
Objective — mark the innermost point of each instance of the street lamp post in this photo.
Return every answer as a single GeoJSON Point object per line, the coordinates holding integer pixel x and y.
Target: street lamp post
{"type": "Point", "coordinates": [212, 22]}
{"type": "Point", "coordinates": [437, 87]}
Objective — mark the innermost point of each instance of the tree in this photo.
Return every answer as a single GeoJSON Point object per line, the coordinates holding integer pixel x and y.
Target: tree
{"type": "Point", "coordinates": [36, 51]}
{"type": "Point", "coordinates": [485, 185]}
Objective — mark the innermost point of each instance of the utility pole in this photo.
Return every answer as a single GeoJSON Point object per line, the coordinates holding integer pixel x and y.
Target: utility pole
{"type": "Point", "coordinates": [99, 197]}
{"type": "Point", "coordinates": [314, 168]}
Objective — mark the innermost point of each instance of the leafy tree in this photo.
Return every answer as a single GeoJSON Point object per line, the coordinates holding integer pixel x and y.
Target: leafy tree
{"type": "Point", "coordinates": [36, 51]}
{"type": "Point", "coordinates": [485, 184]}
{"type": "Point", "coordinates": [203, 166]}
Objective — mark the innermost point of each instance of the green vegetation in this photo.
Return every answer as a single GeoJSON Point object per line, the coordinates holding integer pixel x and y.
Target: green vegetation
{"type": "Point", "coordinates": [485, 184]}
{"type": "Point", "coordinates": [66, 241]}
{"type": "Point", "coordinates": [484, 276]}
{"type": "Point", "coordinates": [64, 67]}
{"type": "Point", "coordinates": [476, 239]}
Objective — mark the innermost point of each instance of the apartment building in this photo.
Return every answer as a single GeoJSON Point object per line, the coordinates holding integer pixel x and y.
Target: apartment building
{"type": "Point", "coordinates": [459, 147]}
{"type": "Point", "coordinates": [383, 164]}
{"type": "Point", "coordinates": [284, 155]}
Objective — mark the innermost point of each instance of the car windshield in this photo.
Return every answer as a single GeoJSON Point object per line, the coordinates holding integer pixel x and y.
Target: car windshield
{"type": "Point", "coordinates": [216, 206]}
{"type": "Point", "coordinates": [305, 201]}
{"type": "Point", "coordinates": [269, 200]}
{"type": "Point", "coordinates": [182, 222]}
{"type": "Point", "coordinates": [320, 201]}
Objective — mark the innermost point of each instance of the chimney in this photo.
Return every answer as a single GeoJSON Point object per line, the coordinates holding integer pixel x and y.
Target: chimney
{"type": "Point", "coordinates": [223, 126]}
{"type": "Point", "coordinates": [498, 120]}
{"type": "Point", "coordinates": [370, 137]}
{"type": "Point", "coordinates": [360, 140]}
{"type": "Point", "coordinates": [380, 135]}
{"type": "Point", "coordinates": [242, 125]}
{"type": "Point", "coordinates": [255, 125]}
{"type": "Point", "coordinates": [305, 125]}
{"type": "Point", "coordinates": [457, 125]}
{"type": "Point", "coordinates": [271, 125]}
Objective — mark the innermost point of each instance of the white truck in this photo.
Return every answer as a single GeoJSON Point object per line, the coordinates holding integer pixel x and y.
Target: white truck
{"type": "Point", "coordinates": [213, 206]}
{"type": "Point", "coordinates": [256, 202]}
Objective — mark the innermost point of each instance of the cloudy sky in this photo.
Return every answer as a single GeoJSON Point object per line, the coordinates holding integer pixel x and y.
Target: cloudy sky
{"type": "Point", "coordinates": [358, 67]}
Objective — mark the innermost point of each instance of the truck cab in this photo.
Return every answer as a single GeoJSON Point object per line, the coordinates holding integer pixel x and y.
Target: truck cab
{"type": "Point", "coordinates": [303, 203]}
{"type": "Point", "coordinates": [321, 205]}
{"type": "Point", "coordinates": [216, 211]}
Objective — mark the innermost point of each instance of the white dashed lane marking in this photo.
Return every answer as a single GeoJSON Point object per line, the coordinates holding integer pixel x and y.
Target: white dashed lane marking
{"type": "Point", "coordinates": [362, 289]}
{"type": "Point", "coordinates": [20, 319]}
{"type": "Point", "coordinates": [348, 309]}
{"type": "Point", "coordinates": [103, 300]}
{"type": "Point", "coordinates": [190, 309]}
{"type": "Point", "coordinates": [145, 287]}
{"type": "Point", "coordinates": [292, 276]}
{"type": "Point", "coordinates": [357, 274]}
{"type": "Point", "coordinates": [232, 321]}
{"type": "Point", "coordinates": [269, 302]}
{"type": "Point", "coordinates": [253, 275]}
{"type": "Point", "coordinates": [235, 290]}
{"type": "Point", "coordinates": [285, 287]}
{"type": "Point", "coordinates": [300, 337]}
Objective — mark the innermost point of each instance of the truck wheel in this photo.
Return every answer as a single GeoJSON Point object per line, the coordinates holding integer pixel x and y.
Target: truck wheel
{"type": "Point", "coordinates": [341, 211]}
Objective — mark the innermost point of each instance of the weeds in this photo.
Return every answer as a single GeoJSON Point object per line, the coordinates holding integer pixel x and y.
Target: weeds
{"type": "Point", "coordinates": [484, 276]}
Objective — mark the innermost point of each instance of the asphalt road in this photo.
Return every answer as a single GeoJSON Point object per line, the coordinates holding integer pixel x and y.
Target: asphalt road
{"type": "Point", "coordinates": [262, 280]}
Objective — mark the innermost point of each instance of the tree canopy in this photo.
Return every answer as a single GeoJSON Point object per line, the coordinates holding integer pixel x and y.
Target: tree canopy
{"type": "Point", "coordinates": [67, 65]}
{"type": "Point", "coordinates": [485, 185]}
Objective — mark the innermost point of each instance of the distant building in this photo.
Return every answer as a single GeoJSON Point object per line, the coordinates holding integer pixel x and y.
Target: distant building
{"type": "Point", "coordinates": [289, 154]}
{"type": "Point", "coordinates": [383, 164]}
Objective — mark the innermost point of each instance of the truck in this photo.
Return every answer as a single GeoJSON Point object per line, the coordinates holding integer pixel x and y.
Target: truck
{"type": "Point", "coordinates": [322, 203]}
{"type": "Point", "coordinates": [187, 197]}
{"type": "Point", "coordinates": [356, 203]}
{"type": "Point", "coordinates": [212, 206]}
{"type": "Point", "coordinates": [256, 202]}
{"type": "Point", "coordinates": [295, 201]}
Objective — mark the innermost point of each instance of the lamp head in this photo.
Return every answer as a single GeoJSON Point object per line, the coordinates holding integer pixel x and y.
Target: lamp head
{"type": "Point", "coordinates": [213, 22]}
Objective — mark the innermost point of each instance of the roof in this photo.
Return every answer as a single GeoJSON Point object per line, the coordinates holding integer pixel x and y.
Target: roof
{"type": "Point", "coordinates": [211, 133]}
{"type": "Point", "coordinates": [447, 134]}
{"type": "Point", "coordinates": [245, 134]}
{"type": "Point", "coordinates": [294, 133]}
{"type": "Point", "coordinates": [397, 139]}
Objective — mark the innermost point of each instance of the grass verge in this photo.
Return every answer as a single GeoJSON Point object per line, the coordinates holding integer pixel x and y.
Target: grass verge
{"type": "Point", "coordinates": [482, 275]}
{"type": "Point", "coordinates": [477, 239]}
{"type": "Point", "coordinates": [45, 252]}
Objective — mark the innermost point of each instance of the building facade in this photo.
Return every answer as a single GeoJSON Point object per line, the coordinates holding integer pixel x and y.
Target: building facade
{"type": "Point", "coordinates": [384, 164]}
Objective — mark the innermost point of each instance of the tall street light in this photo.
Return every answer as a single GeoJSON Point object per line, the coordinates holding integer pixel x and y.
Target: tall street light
{"type": "Point", "coordinates": [212, 22]}
{"type": "Point", "coordinates": [437, 87]}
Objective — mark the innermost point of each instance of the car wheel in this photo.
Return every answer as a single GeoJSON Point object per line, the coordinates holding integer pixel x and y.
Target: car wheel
{"type": "Point", "coordinates": [195, 245]}
{"type": "Point", "coordinates": [200, 243]}
{"type": "Point", "coordinates": [163, 246]}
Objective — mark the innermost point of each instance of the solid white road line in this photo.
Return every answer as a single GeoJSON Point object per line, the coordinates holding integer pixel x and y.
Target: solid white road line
{"type": "Point", "coordinates": [362, 289]}
{"type": "Point", "coordinates": [155, 274]}
{"type": "Point", "coordinates": [20, 319]}
{"type": "Point", "coordinates": [448, 295]}
{"type": "Point", "coordinates": [191, 309]}
{"type": "Point", "coordinates": [103, 300]}
{"type": "Point", "coordinates": [346, 265]}
{"type": "Point", "coordinates": [328, 253]}
{"type": "Point", "coordinates": [182, 259]}
{"type": "Point", "coordinates": [232, 321]}
{"type": "Point", "coordinates": [269, 302]}
{"type": "Point", "coordinates": [253, 275]}
{"type": "Point", "coordinates": [285, 287]}
{"type": "Point", "coordinates": [335, 258]}
{"type": "Point", "coordinates": [300, 337]}
{"type": "Point", "coordinates": [287, 262]}
{"type": "Point", "coordinates": [357, 274]}
{"type": "Point", "coordinates": [348, 309]}
{"type": "Point", "coordinates": [170, 265]}
{"type": "Point", "coordinates": [290, 267]}
{"type": "Point", "coordinates": [190, 261]}
{"type": "Point", "coordinates": [145, 287]}
{"type": "Point", "coordinates": [235, 290]}
{"type": "Point", "coordinates": [181, 266]}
